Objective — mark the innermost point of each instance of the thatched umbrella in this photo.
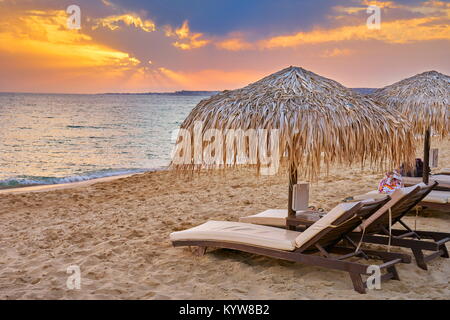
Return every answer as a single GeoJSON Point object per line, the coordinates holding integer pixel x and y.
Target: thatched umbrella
{"type": "Point", "coordinates": [318, 121]}
{"type": "Point", "coordinates": [425, 100]}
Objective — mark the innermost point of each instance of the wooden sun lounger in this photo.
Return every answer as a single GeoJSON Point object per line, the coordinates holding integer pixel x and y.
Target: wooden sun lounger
{"type": "Point", "coordinates": [378, 231]}
{"type": "Point", "coordinates": [418, 241]}
{"type": "Point", "coordinates": [436, 199]}
{"type": "Point", "coordinates": [318, 246]}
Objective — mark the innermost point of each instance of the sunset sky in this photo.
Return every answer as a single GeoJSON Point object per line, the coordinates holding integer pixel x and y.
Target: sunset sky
{"type": "Point", "coordinates": [167, 45]}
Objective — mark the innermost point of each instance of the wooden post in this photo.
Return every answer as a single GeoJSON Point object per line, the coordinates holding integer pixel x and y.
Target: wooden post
{"type": "Point", "coordinates": [426, 157]}
{"type": "Point", "coordinates": [292, 182]}
{"type": "Point", "coordinates": [434, 158]}
{"type": "Point", "coordinates": [300, 198]}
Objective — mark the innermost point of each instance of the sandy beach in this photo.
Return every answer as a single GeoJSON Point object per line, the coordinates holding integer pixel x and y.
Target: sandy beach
{"type": "Point", "coordinates": [118, 233]}
{"type": "Point", "coordinates": [109, 109]}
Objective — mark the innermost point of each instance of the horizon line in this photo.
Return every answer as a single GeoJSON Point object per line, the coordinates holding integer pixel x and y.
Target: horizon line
{"type": "Point", "coordinates": [109, 93]}
{"type": "Point", "coordinates": [135, 93]}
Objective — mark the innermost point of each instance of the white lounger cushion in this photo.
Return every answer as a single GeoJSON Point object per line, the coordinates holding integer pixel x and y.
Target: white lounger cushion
{"type": "Point", "coordinates": [323, 223]}
{"type": "Point", "coordinates": [271, 217]}
{"type": "Point", "coordinates": [433, 196]}
{"type": "Point", "coordinates": [438, 197]}
{"type": "Point", "coordinates": [442, 179]}
{"type": "Point", "coordinates": [257, 235]}
{"type": "Point", "coordinates": [277, 217]}
{"type": "Point", "coordinates": [238, 232]}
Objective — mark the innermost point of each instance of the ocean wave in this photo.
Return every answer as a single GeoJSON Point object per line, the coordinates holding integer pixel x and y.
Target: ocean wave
{"type": "Point", "coordinates": [21, 181]}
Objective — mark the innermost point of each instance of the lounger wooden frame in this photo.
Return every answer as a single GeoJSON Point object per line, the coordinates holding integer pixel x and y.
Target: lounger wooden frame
{"type": "Point", "coordinates": [434, 205]}
{"type": "Point", "coordinates": [322, 249]}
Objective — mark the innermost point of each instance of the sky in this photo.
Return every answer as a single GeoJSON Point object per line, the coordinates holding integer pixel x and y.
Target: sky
{"type": "Point", "coordinates": [169, 45]}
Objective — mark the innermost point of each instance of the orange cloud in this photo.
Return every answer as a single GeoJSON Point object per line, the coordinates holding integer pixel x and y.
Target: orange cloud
{"type": "Point", "coordinates": [381, 4]}
{"type": "Point", "coordinates": [363, 6]}
{"type": "Point", "coordinates": [234, 44]}
{"type": "Point", "coordinates": [435, 26]}
{"type": "Point", "coordinates": [399, 31]}
{"type": "Point", "coordinates": [45, 37]}
{"type": "Point", "coordinates": [129, 19]}
{"type": "Point", "coordinates": [437, 3]}
{"type": "Point", "coordinates": [186, 39]}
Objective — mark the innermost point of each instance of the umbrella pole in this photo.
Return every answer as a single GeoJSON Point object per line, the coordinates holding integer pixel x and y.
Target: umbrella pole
{"type": "Point", "coordinates": [292, 182]}
{"type": "Point", "coordinates": [426, 157]}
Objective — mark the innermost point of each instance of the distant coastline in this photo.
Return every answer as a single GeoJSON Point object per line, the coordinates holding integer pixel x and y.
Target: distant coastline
{"type": "Point", "coordinates": [174, 93]}
{"type": "Point", "coordinates": [210, 93]}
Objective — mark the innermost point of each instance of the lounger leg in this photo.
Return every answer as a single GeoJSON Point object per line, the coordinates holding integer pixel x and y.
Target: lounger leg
{"type": "Point", "coordinates": [420, 260]}
{"type": "Point", "coordinates": [445, 251]}
{"type": "Point", "coordinates": [199, 251]}
{"type": "Point", "coordinates": [393, 271]}
{"type": "Point", "coordinates": [358, 283]}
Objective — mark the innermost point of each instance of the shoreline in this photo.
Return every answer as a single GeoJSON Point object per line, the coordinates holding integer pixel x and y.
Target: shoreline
{"type": "Point", "coordinates": [69, 185]}
{"type": "Point", "coordinates": [74, 184]}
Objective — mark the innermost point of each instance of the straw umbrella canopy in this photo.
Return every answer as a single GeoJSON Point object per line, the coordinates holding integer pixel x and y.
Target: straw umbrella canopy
{"type": "Point", "coordinates": [425, 100]}
{"type": "Point", "coordinates": [318, 122]}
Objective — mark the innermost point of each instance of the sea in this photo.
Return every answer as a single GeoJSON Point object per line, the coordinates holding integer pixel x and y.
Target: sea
{"type": "Point", "coordinates": [63, 138]}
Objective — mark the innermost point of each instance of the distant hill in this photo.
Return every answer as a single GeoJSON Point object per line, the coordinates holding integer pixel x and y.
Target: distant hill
{"type": "Point", "coordinates": [364, 90]}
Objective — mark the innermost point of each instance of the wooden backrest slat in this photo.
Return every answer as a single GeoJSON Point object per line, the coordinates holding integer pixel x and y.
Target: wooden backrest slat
{"type": "Point", "coordinates": [402, 207]}
{"type": "Point", "coordinates": [345, 224]}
